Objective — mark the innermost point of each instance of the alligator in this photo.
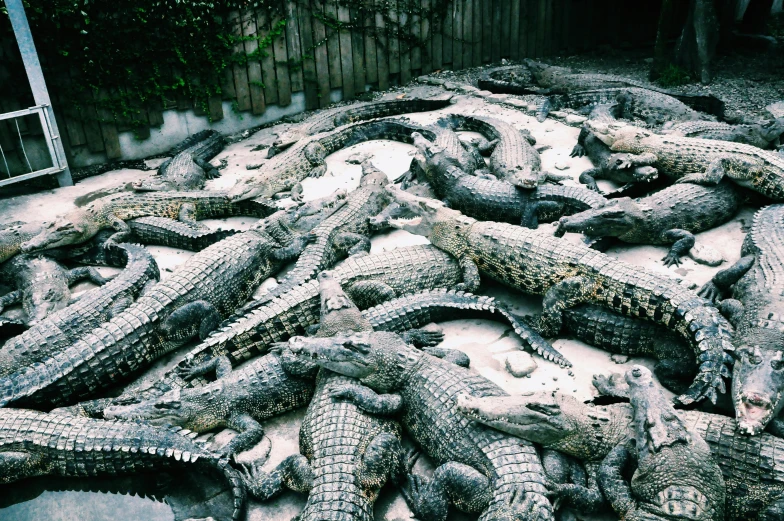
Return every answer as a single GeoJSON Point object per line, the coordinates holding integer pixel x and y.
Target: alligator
{"type": "Point", "coordinates": [695, 160]}
{"type": "Point", "coordinates": [112, 211]}
{"type": "Point", "coordinates": [480, 470]}
{"type": "Point", "coordinates": [763, 135]}
{"type": "Point", "coordinates": [191, 301]}
{"type": "Point", "coordinates": [670, 216]}
{"type": "Point", "coordinates": [553, 79]}
{"type": "Point", "coordinates": [495, 199]}
{"type": "Point", "coordinates": [609, 166]}
{"type": "Point", "coordinates": [65, 327]}
{"type": "Point", "coordinates": [14, 234]}
{"type": "Point", "coordinates": [326, 120]}
{"type": "Point", "coordinates": [675, 473]}
{"type": "Point", "coordinates": [346, 232]}
{"type": "Point", "coordinates": [568, 274]}
{"type": "Point", "coordinates": [513, 158]}
{"type": "Point", "coordinates": [189, 168]}
{"type": "Point", "coordinates": [42, 285]}
{"type": "Point", "coordinates": [33, 443]}
{"type": "Point", "coordinates": [753, 475]}
{"type": "Point", "coordinates": [757, 282]}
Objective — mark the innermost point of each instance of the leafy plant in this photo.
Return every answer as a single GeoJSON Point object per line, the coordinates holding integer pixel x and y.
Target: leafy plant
{"type": "Point", "coordinates": [672, 76]}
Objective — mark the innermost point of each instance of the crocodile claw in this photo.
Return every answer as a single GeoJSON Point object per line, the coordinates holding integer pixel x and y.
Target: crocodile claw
{"type": "Point", "coordinates": [672, 259]}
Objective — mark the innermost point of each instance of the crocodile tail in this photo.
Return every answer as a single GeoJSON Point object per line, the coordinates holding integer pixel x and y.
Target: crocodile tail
{"type": "Point", "coordinates": [237, 486]}
{"type": "Point", "coordinates": [575, 198]}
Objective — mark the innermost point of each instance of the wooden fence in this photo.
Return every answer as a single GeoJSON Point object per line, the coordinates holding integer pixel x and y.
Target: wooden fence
{"type": "Point", "coordinates": [474, 32]}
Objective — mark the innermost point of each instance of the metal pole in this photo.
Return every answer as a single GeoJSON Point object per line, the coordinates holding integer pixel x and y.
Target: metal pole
{"type": "Point", "coordinates": [35, 76]}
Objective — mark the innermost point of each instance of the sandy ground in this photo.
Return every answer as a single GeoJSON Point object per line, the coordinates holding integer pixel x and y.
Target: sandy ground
{"type": "Point", "coordinates": [486, 342]}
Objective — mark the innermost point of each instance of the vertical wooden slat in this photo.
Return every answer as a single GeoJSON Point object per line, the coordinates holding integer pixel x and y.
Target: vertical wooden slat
{"type": "Point", "coordinates": [155, 112]}
{"type": "Point", "coordinates": [468, 33]}
{"type": "Point", "coordinates": [309, 79]}
{"type": "Point", "coordinates": [294, 46]}
{"type": "Point", "coordinates": [346, 55]}
{"type": "Point", "coordinates": [540, 27]}
{"type": "Point", "coordinates": [557, 26]}
{"type": "Point", "coordinates": [394, 42]}
{"type": "Point", "coordinates": [371, 56]}
{"type": "Point", "coordinates": [523, 24]}
{"type": "Point", "coordinates": [358, 50]}
{"type": "Point", "coordinates": [476, 34]}
{"type": "Point", "coordinates": [282, 75]}
{"type": "Point", "coordinates": [239, 71]}
{"type": "Point", "coordinates": [142, 131]}
{"type": "Point", "coordinates": [533, 20]}
{"type": "Point", "coordinates": [416, 34]}
{"type": "Point", "coordinates": [514, 30]}
{"type": "Point", "coordinates": [404, 19]}
{"type": "Point", "coordinates": [548, 29]}
{"type": "Point", "coordinates": [437, 25]}
{"type": "Point", "coordinates": [487, 31]}
{"type": "Point", "coordinates": [111, 139]}
{"type": "Point", "coordinates": [495, 42]}
{"type": "Point", "coordinates": [320, 53]}
{"type": "Point", "coordinates": [269, 78]}
{"type": "Point", "coordinates": [214, 106]}
{"type": "Point", "coordinates": [255, 82]}
{"type": "Point", "coordinates": [591, 17]}
{"type": "Point", "coordinates": [333, 47]}
{"type": "Point", "coordinates": [448, 40]}
{"type": "Point", "coordinates": [506, 22]}
{"type": "Point", "coordinates": [427, 38]}
{"type": "Point", "coordinates": [382, 52]}
{"type": "Point", "coordinates": [457, 30]}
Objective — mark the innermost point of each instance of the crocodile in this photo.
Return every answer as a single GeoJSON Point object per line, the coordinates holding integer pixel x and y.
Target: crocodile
{"type": "Point", "coordinates": [670, 216]}
{"type": "Point", "coordinates": [607, 167]}
{"type": "Point", "coordinates": [753, 475]}
{"type": "Point", "coordinates": [675, 474]}
{"type": "Point", "coordinates": [326, 120]}
{"type": "Point", "coordinates": [513, 158]}
{"type": "Point", "coordinates": [14, 234]}
{"type": "Point", "coordinates": [568, 274]}
{"type": "Point", "coordinates": [553, 79]}
{"type": "Point", "coordinates": [67, 326]}
{"type": "Point", "coordinates": [757, 282]}
{"type": "Point", "coordinates": [191, 301]}
{"type": "Point", "coordinates": [763, 135]}
{"type": "Point", "coordinates": [346, 232]}
{"type": "Point", "coordinates": [42, 285]}
{"type": "Point", "coordinates": [509, 79]}
{"type": "Point", "coordinates": [479, 469]}
{"type": "Point", "coordinates": [695, 160]}
{"type": "Point", "coordinates": [162, 231]}
{"type": "Point", "coordinates": [33, 443]}
{"type": "Point", "coordinates": [494, 199]}
{"type": "Point", "coordinates": [112, 211]}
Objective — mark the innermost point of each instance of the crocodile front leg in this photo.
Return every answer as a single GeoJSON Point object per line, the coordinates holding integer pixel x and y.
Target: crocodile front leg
{"type": "Point", "coordinates": [732, 309]}
{"type": "Point", "coordinates": [471, 278]}
{"type": "Point", "coordinates": [613, 484]}
{"type": "Point", "coordinates": [122, 233]}
{"type": "Point", "coordinates": [381, 460]}
{"type": "Point", "coordinates": [293, 250]}
{"type": "Point", "coordinates": [188, 214]}
{"type": "Point", "coordinates": [736, 168]}
{"type": "Point", "coordinates": [210, 172]}
{"type": "Point", "coordinates": [368, 400]}
{"type": "Point", "coordinates": [86, 273]}
{"type": "Point", "coordinates": [10, 298]}
{"type": "Point", "coordinates": [570, 483]}
{"type": "Point", "coordinates": [589, 177]}
{"type": "Point", "coordinates": [352, 243]}
{"type": "Point", "coordinates": [293, 473]}
{"type": "Point", "coordinates": [721, 282]}
{"type": "Point", "coordinates": [463, 486]}
{"type": "Point", "coordinates": [683, 241]}
{"type": "Point", "coordinates": [250, 433]}
{"type": "Point", "coordinates": [566, 294]}
{"type": "Point", "coordinates": [220, 365]}
{"type": "Point", "coordinates": [198, 317]}
{"type": "Point", "coordinates": [369, 293]}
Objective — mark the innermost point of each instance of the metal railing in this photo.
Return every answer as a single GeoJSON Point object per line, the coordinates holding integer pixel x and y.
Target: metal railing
{"type": "Point", "coordinates": [58, 164]}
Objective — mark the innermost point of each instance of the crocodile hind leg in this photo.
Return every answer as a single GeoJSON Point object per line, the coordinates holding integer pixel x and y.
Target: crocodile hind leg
{"type": "Point", "coordinates": [220, 365]}
{"type": "Point", "coordinates": [293, 473]}
{"type": "Point", "coordinates": [380, 461]}
{"type": "Point", "coordinates": [737, 169]}
{"type": "Point", "coordinates": [198, 317]}
{"type": "Point", "coordinates": [471, 278]}
{"type": "Point", "coordinates": [683, 242]}
{"type": "Point", "coordinates": [732, 310]}
{"type": "Point", "coordinates": [122, 233]}
{"type": "Point", "coordinates": [570, 483]}
{"type": "Point", "coordinates": [463, 486]}
{"type": "Point", "coordinates": [369, 293]}
{"type": "Point", "coordinates": [532, 211]}
{"type": "Point", "coordinates": [86, 273]}
{"type": "Point", "coordinates": [210, 172]}
{"type": "Point", "coordinates": [18, 465]}
{"type": "Point", "coordinates": [721, 282]}
{"type": "Point", "coordinates": [352, 243]}
{"type": "Point", "coordinates": [566, 294]}
{"type": "Point", "coordinates": [187, 215]}
{"type": "Point", "coordinates": [588, 178]}
{"type": "Point", "coordinates": [614, 485]}
{"type": "Point", "coordinates": [250, 433]}
{"type": "Point", "coordinates": [294, 249]}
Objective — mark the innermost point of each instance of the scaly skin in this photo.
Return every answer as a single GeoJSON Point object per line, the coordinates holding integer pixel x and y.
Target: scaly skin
{"type": "Point", "coordinates": [512, 79]}
{"type": "Point", "coordinates": [163, 231]}
{"type": "Point", "coordinates": [569, 274]}
{"type": "Point", "coordinates": [753, 475]}
{"type": "Point", "coordinates": [763, 135]}
{"type": "Point", "coordinates": [493, 199]}
{"type": "Point", "coordinates": [670, 216]}
{"type": "Point", "coordinates": [480, 470]}
{"type": "Point", "coordinates": [38, 444]}
{"type": "Point", "coordinates": [63, 328]}
{"type": "Point", "coordinates": [14, 234]}
{"type": "Point", "coordinates": [194, 299]}
{"type": "Point", "coordinates": [755, 311]}
{"type": "Point", "coordinates": [189, 168]}
{"type": "Point", "coordinates": [702, 161]}
{"type": "Point", "coordinates": [41, 285]}
{"type": "Point", "coordinates": [326, 120]}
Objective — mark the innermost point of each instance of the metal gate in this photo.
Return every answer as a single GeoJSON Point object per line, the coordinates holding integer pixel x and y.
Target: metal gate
{"type": "Point", "coordinates": [58, 164]}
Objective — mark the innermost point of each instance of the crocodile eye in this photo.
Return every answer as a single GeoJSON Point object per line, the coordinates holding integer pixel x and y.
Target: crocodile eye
{"type": "Point", "coordinates": [777, 365]}
{"type": "Point", "coordinates": [167, 405]}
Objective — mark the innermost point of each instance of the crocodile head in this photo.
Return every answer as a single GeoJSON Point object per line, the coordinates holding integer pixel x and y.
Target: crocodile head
{"type": "Point", "coordinates": [377, 359]}
{"type": "Point", "coordinates": [168, 409]}
{"type": "Point", "coordinates": [757, 385]}
{"type": "Point", "coordinates": [614, 219]}
{"type": "Point", "coordinates": [444, 227]}
{"type": "Point", "coordinates": [154, 184]}
{"type": "Point", "coordinates": [372, 175]}
{"type": "Point", "coordinates": [772, 130]}
{"type": "Point", "coordinates": [248, 188]}
{"type": "Point", "coordinates": [64, 231]}
{"type": "Point", "coordinates": [551, 419]}
{"type": "Point", "coordinates": [620, 137]}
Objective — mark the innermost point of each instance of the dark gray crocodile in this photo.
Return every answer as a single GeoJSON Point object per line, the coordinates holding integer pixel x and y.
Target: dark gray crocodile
{"type": "Point", "coordinates": [42, 285]}
{"type": "Point", "coordinates": [192, 300]}
{"type": "Point", "coordinates": [757, 282]}
{"type": "Point", "coordinates": [513, 158]}
{"type": "Point", "coordinates": [753, 476]}
{"type": "Point", "coordinates": [695, 160]}
{"type": "Point", "coordinates": [38, 444]}
{"type": "Point", "coordinates": [189, 168]}
{"type": "Point", "coordinates": [14, 234]}
{"type": "Point", "coordinates": [162, 231]}
{"type": "Point", "coordinates": [490, 199]}
{"type": "Point", "coordinates": [763, 135]}
{"type": "Point", "coordinates": [569, 274]}
{"type": "Point", "coordinates": [670, 216]}
{"type": "Point", "coordinates": [509, 79]}
{"type": "Point", "coordinates": [64, 327]}
{"type": "Point", "coordinates": [329, 119]}
{"type": "Point", "coordinates": [608, 165]}
{"type": "Point", "coordinates": [550, 79]}
{"type": "Point", "coordinates": [675, 474]}
{"type": "Point", "coordinates": [112, 211]}
{"type": "Point", "coordinates": [480, 470]}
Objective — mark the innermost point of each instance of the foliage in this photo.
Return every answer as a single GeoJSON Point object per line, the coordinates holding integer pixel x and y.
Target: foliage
{"type": "Point", "coordinates": [672, 76]}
